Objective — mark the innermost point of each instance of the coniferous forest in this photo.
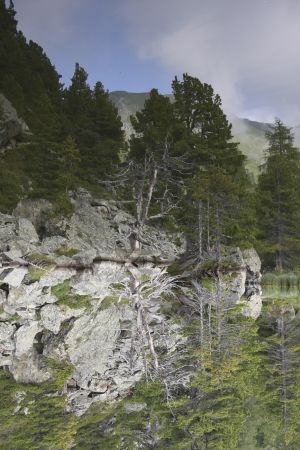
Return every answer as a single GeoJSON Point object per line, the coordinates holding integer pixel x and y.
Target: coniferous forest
{"type": "Point", "coordinates": [183, 172]}
{"type": "Point", "coordinates": [185, 147]}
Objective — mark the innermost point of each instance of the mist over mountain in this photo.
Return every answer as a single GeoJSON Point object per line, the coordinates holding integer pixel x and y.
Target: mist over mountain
{"type": "Point", "coordinates": [249, 133]}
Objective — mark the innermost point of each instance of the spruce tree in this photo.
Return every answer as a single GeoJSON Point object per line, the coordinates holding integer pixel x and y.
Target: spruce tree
{"type": "Point", "coordinates": [77, 105]}
{"type": "Point", "coordinates": [278, 200]}
{"type": "Point", "coordinates": [108, 136]}
{"type": "Point", "coordinates": [94, 122]}
{"type": "Point", "coordinates": [70, 162]}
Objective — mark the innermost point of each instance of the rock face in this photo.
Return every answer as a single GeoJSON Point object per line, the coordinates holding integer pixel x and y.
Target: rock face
{"type": "Point", "coordinates": [86, 318]}
{"type": "Point", "coordinates": [252, 286]}
{"type": "Point", "coordinates": [97, 226]}
{"type": "Point", "coordinates": [94, 319]}
{"type": "Point", "coordinates": [11, 126]}
{"type": "Point", "coordinates": [243, 284]}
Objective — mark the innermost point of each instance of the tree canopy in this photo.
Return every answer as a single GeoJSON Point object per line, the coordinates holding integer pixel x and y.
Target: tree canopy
{"type": "Point", "coordinates": [278, 200]}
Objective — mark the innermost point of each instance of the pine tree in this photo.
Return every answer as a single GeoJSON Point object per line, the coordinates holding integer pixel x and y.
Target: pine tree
{"type": "Point", "coordinates": [207, 128]}
{"type": "Point", "coordinates": [28, 79]}
{"type": "Point", "coordinates": [70, 161]}
{"type": "Point", "coordinates": [155, 167]}
{"type": "Point", "coordinates": [94, 121]}
{"type": "Point", "coordinates": [107, 136]}
{"type": "Point", "coordinates": [77, 105]}
{"type": "Point", "coordinates": [219, 180]}
{"type": "Point", "coordinates": [280, 367]}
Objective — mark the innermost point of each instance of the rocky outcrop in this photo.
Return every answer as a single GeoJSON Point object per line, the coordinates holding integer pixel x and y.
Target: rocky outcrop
{"type": "Point", "coordinates": [12, 127]}
{"type": "Point", "coordinates": [243, 283]}
{"type": "Point", "coordinates": [97, 226]}
{"type": "Point", "coordinates": [252, 292]}
{"type": "Point", "coordinates": [87, 318]}
{"type": "Point", "coordinates": [253, 264]}
{"type": "Point", "coordinates": [101, 336]}
{"type": "Point", "coordinates": [109, 319]}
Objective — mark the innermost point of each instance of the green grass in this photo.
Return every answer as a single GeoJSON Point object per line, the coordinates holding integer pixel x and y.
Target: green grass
{"type": "Point", "coordinates": [65, 296]}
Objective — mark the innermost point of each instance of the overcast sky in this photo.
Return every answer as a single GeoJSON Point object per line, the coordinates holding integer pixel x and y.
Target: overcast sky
{"type": "Point", "coordinates": [249, 50]}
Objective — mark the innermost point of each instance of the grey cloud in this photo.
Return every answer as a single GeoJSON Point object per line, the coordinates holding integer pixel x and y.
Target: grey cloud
{"type": "Point", "coordinates": [48, 21]}
{"type": "Point", "coordinates": [248, 49]}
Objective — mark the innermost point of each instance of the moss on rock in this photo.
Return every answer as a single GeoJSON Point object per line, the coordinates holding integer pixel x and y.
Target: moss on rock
{"type": "Point", "coordinates": [65, 296]}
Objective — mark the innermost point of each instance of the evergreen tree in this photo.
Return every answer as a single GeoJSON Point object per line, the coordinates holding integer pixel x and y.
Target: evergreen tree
{"type": "Point", "coordinates": [77, 105]}
{"type": "Point", "coordinates": [94, 121]}
{"type": "Point", "coordinates": [28, 79]}
{"type": "Point", "coordinates": [219, 179]}
{"type": "Point", "coordinates": [208, 131]}
{"type": "Point", "coordinates": [155, 168]}
{"type": "Point", "coordinates": [282, 381]}
{"type": "Point", "coordinates": [70, 161]}
{"type": "Point", "coordinates": [215, 411]}
{"type": "Point", "coordinates": [106, 120]}
{"type": "Point", "coordinates": [107, 136]}
{"type": "Point", "coordinates": [273, 420]}
{"type": "Point", "coordinates": [278, 200]}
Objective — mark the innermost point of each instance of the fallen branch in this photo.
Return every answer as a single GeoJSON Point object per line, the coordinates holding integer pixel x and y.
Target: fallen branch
{"type": "Point", "coordinates": [75, 264]}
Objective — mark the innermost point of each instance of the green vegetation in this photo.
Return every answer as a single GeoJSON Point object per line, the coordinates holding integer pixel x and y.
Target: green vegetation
{"type": "Point", "coordinates": [63, 292]}
{"type": "Point", "coordinates": [181, 170]}
{"type": "Point", "coordinates": [235, 400]}
{"type": "Point", "coordinates": [184, 153]}
{"type": "Point", "coordinates": [244, 395]}
{"type": "Point", "coordinates": [110, 300]}
{"type": "Point", "coordinates": [194, 174]}
{"type": "Point", "coordinates": [249, 134]}
{"type": "Point", "coordinates": [281, 280]}
{"type": "Point", "coordinates": [208, 283]}
{"type": "Point", "coordinates": [76, 134]}
{"type": "Point", "coordinates": [35, 417]}
{"type": "Point", "coordinates": [36, 274]}
{"type": "Point", "coordinates": [154, 421]}
{"type": "Point", "coordinates": [64, 251]}
{"type": "Point", "coordinates": [278, 201]}
{"type": "Point", "coordinates": [40, 258]}
{"type": "Point", "coordinates": [41, 265]}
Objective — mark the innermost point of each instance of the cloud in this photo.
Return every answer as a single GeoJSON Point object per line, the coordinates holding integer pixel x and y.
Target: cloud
{"type": "Point", "coordinates": [48, 21]}
{"type": "Point", "coordinates": [249, 50]}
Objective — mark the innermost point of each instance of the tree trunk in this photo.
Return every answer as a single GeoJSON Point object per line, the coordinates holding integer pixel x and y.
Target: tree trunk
{"type": "Point", "coordinates": [284, 371]}
{"type": "Point", "coordinates": [200, 229]}
{"type": "Point", "coordinates": [149, 196]}
{"type": "Point", "coordinates": [208, 226]}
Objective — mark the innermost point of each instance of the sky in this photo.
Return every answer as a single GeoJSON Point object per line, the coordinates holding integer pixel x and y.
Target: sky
{"type": "Point", "coordinates": [249, 50]}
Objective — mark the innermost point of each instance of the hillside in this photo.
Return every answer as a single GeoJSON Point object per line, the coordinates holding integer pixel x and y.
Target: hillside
{"type": "Point", "coordinates": [251, 136]}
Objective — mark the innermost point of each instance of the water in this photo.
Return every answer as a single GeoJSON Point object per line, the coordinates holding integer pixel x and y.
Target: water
{"type": "Point", "coordinates": [274, 404]}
